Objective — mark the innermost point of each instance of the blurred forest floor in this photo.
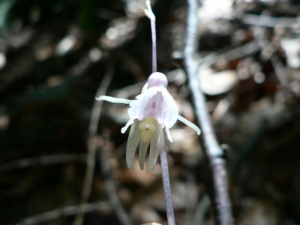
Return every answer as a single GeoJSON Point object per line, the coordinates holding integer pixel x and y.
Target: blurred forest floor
{"type": "Point", "coordinates": [55, 54]}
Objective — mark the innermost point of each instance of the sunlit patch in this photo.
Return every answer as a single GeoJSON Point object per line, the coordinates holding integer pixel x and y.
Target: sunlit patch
{"type": "Point", "coordinates": [112, 33]}
{"type": "Point", "coordinates": [2, 60]}
{"type": "Point", "coordinates": [95, 54]}
{"type": "Point", "coordinates": [65, 45]}
{"type": "Point", "coordinates": [259, 77]}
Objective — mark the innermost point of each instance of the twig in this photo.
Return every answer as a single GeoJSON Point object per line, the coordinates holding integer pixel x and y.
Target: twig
{"type": "Point", "coordinates": [189, 199]}
{"type": "Point", "coordinates": [261, 40]}
{"type": "Point", "coordinates": [66, 211]}
{"type": "Point", "coordinates": [201, 210]}
{"type": "Point", "coordinates": [163, 153]}
{"type": "Point", "coordinates": [92, 147]}
{"type": "Point", "coordinates": [212, 148]}
{"type": "Point", "coordinates": [110, 184]}
{"type": "Point", "coordinates": [43, 160]}
{"type": "Point", "coordinates": [268, 21]}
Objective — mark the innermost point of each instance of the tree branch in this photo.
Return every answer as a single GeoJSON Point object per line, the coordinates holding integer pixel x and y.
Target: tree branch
{"type": "Point", "coordinates": [212, 148]}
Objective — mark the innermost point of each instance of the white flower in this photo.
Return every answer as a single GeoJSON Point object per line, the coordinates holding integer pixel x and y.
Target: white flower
{"type": "Point", "coordinates": [152, 111]}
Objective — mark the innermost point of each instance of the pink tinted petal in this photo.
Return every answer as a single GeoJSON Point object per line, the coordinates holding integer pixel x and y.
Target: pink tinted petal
{"type": "Point", "coordinates": [156, 103]}
{"type": "Point", "coordinates": [136, 106]}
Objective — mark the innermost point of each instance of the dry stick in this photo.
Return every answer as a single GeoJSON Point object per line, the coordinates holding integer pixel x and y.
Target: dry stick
{"type": "Point", "coordinates": [66, 211]}
{"type": "Point", "coordinates": [201, 209]}
{"type": "Point", "coordinates": [92, 148]}
{"type": "Point", "coordinates": [43, 160]}
{"type": "Point", "coordinates": [110, 183]}
{"type": "Point", "coordinates": [212, 148]}
{"type": "Point", "coordinates": [261, 39]}
{"type": "Point", "coordinates": [163, 153]}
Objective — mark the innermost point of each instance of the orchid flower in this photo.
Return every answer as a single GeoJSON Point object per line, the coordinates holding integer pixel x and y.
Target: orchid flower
{"type": "Point", "coordinates": [152, 111]}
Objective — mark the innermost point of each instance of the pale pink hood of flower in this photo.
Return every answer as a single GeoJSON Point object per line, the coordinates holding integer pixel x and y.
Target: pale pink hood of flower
{"type": "Point", "coordinates": [155, 102]}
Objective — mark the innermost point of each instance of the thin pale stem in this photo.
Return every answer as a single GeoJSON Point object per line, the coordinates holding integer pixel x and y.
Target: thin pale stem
{"type": "Point", "coordinates": [167, 186]}
{"type": "Point", "coordinates": [151, 16]}
{"type": "Point", "coordinates": [154, 61]}
{"type": "Point", "coordinates": [163, 153]}
{"type": "Point", "coordinates": [212, 148]}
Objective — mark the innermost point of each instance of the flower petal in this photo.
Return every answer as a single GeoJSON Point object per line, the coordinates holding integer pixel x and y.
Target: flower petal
{"type": "Point", "coordinates": [123, 130]}
{"type": "Point", "coordinates": [156, 144]}
{"type": "Point", "coordinates": [142, 153]}
{"type": "Point", "coordinates": [133, 141]}
{"type": "Point", "coordinates": [168, 134]}
{"type": "Point", "coordinates": [189, 123]}
{"type": "Point", "coordinates": [114, 100]}
{"type": "Point", "coordinates": [155, 103]}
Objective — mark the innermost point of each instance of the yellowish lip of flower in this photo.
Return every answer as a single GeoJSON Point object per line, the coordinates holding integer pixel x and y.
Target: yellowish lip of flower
{"type": "Point", "coordinates": [147, 127]}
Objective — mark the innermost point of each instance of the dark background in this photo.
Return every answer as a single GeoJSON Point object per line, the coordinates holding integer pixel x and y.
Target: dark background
{"type": "Point", "coordinates": [55, 54]}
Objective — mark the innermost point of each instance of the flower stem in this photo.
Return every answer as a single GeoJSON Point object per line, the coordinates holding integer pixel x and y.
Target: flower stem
{"type": "Point", "coordinates": [167, 187]}
{"type": "Point", "coordinates": [163, 153]}
{"type": "Point", "coordinates": [151, 16]}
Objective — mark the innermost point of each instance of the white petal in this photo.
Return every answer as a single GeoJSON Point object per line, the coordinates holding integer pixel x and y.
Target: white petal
{"type": "Point", "coordinates": [168, 134]}
{"type": "Point", "coordinates": [170, 109]}
{"type": "Point", "coordinates": [155, 102]}
{"type": "Point", "coordinates": [123, 130]}
{"type": "Point", "coordinates": [145, 87]}
{"type": "Point", "coordinates": [114, 100]}
{"type": "Point", "coordinates": [189, 123]}
{"type": "Point", "coordinates": [133, 141]}
{"type": "Point", "coordinates": [138, 106]}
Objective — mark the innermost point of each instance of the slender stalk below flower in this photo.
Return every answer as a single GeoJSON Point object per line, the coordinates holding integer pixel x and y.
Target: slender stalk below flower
{"type": "Point", "coordinates": [163, 153]}
{"type": "Point", "coordinates": [212, 148]}
{"type": "Point", "coordinates": [167, 187]}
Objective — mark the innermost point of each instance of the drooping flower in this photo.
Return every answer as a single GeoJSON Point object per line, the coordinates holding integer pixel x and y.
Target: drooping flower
{"type": "Point", "coordinates": [151, 112]}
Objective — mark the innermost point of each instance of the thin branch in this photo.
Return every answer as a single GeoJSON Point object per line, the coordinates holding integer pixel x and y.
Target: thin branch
{"type": "Point", "coordinates": [261, 40]}
{"type": "Point", "coordinates": [92, 147]}
{"type": "Point", "coordinates": [268, 21]}
{"type": "Point", "coordinates": [43, 160]}
{"type": "Point", "coordinates": [66, 211]}
{"type": "Point", "coordinates": [110, 184]}
{"type": "Point", "coordinates": [202, 208]}
{"type": "Point", "coordinates": [212, 148]}
{"type": "Point", "coordinates": [189, 199]}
